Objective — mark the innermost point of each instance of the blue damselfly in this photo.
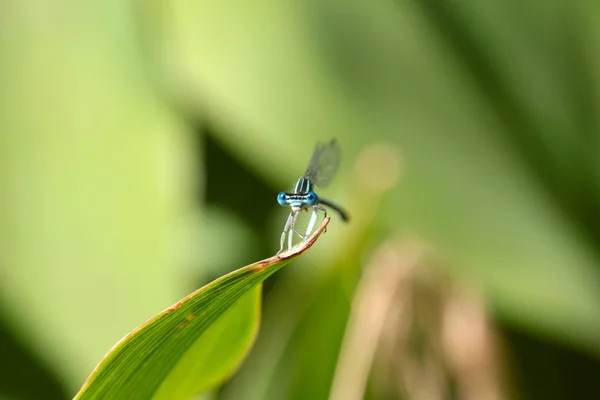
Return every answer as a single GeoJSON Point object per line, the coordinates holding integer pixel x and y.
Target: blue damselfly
{"type": "Point", "coordinates": [320, 171]}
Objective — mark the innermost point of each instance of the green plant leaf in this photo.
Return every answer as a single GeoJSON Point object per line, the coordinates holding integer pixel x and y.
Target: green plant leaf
{"type": "Point", "coordinates": [317, 329]}
{"type": "Point", "coordinates": [194, 344]}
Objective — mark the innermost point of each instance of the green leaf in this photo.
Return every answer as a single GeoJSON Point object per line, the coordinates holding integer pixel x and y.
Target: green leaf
{"type": "Point", "coordinates": [194, 344]}
{"type": "Point", "coordinates": [276, 369]}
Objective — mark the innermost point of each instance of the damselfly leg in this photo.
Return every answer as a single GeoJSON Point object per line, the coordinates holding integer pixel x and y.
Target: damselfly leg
{"type": "Point", "coordinates": [288, 231]}
{"type": "Point", "coordinates": [290, 225]}
{"type": "Point", "coordinates": [313, 220]}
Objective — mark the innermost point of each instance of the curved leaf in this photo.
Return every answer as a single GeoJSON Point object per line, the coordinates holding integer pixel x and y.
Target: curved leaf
{"type": "Point", "coordinates": [189, 347]}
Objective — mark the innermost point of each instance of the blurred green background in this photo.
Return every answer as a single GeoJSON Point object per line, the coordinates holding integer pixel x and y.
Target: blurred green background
{"type": "Point", "coordinates": [142, 146]}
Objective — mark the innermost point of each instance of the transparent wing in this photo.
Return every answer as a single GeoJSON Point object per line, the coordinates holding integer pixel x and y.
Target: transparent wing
{"type": "Point", "coordinates": [324, 163]}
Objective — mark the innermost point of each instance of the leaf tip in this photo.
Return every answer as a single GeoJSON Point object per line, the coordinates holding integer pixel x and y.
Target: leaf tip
{"type": "Point", "coordinates": [295, 251]}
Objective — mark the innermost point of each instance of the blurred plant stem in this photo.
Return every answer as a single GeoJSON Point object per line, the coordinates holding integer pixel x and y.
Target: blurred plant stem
{"type": "Point", "coordinates": [425, 338]}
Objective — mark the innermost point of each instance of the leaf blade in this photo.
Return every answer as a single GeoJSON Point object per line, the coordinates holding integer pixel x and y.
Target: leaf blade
{"type": "Point", "coordinates": [225, 344]}
{"type": "Point", "coordinates": [137, 366]}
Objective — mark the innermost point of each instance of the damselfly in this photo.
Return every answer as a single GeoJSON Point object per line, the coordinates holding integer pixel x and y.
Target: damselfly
{"type": "Point", "coordinates": [321, 170]}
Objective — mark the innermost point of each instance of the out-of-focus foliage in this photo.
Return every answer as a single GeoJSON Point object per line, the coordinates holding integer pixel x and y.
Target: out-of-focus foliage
{"type": "Point", "coordinates": [401, 73]}
{"type": "Point", "coordinates": [136, 137]}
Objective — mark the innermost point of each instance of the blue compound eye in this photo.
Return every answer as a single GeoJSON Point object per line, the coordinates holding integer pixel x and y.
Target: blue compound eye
{"type": "Point", "coordinates": [282, 199]}
{"type": "Point", "coordinates": [312, 198]}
